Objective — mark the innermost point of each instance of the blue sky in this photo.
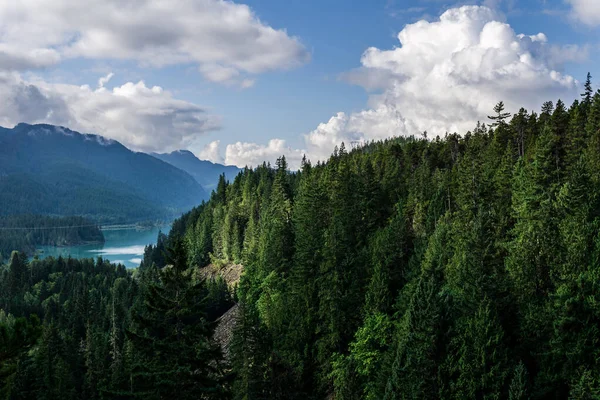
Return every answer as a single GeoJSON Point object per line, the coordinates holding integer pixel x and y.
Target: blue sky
{"type": "Point", "coordinates": [316, 45]}
{"type": "Point", "coordinates": [337, 32]}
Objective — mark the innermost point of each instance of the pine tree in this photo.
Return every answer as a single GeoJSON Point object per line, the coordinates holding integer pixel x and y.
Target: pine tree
{"type": "Point", "coordinates": [534, 248]}
{"type": "Point", "coordinates": [17, 337]}
{"type": "Point", "coordinates": [586, 387]}
{"type": "Point", "coordinates": [17, 275]}
{"type": "Point", "coordinates": [310, 221]}
{"type": "Point", "coordinates": [250, 350]}
{"type": "Point", "coordinates": [500, 116]}
{"type": "Point", "coordinates": [482, 356]}
{"type": "Point", "coordinates": [588, 91]}
{"type": "Point", "coordinates": [576, 139]}
{"type": "Point", "coordinates": [560, 124]}
{"type": "Point", "coordinates": [518, 384]}
{"type": "Point", "coordinates": [414, 372]}
{"type": "Point", "coordinates": [172, 337]}
{"type": "Point", "coordinates": [593, 134]}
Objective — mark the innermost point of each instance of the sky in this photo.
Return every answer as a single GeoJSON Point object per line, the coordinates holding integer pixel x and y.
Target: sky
{"type": "Point", "coordinates": [245, 82]}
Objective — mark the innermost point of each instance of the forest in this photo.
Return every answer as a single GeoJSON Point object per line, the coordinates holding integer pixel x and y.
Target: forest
{"type": "Point", "coordinates": [462, 267]}
{"type": "Point", "coordinates": [88, 329]}
{"type": "Point", "coordinates": [24, 232]}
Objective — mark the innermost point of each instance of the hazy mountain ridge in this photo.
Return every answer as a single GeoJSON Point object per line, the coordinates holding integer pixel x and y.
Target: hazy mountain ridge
{"type": "Point", "coordinates": [205, 172]}
{"type": "Point", "coordinates": [54, 170]}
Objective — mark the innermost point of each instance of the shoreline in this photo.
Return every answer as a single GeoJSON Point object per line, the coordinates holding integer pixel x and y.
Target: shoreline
{"type": "Point", "coordinates": [137, 227]}
{"type": "Point", "coordinates": [73, 244]}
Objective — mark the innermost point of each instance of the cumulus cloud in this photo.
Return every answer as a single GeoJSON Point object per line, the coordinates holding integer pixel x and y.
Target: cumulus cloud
{"type": "Point", "coordinates": [448, 74]}
{"type": "Point", "coordinates": [443, 77]}
{"type": "Point", "coordinates": [252, 154]}
{"type": "Point", "coordinates": [586, 11]}
{"type": "Point", "coordinates": [211, 152]}
{"type": "Point", "coordinates": [141, 117]}
{"type": "Point", "coordinates": [223, 38]}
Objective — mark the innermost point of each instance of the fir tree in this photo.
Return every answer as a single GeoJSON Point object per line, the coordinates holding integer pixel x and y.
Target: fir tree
{"type": "Point", "coordinates": [500, 116]}
{"type": "Point", "coordinates": [172, 337]}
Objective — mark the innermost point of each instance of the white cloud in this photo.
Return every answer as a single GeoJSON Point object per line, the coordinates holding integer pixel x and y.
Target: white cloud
{"type": "Point", "coordinates": [378, 123]}
{"type": "Point", "coordinates": [252, 154]}
{"type": "Point", "coordinates": [211, 152]}
{"type": "Point", "coordinates": [586, 11]}
{"type": "Point", "coordinates": [141, 117]}
{"type": "Point", "coordinates": [328, 135]}
{"type": "Point", "coordinates": [13, 58]}
{"type": "Point", "coordinates": [448, 74]}
{"type": "Point", "coordinates": [104, 80]}
{"type": "Point", "coordinates": [223, 38]}
{"type": "Point", "coordinates": [218, 73]}
{"type": "Point", "coordinates": [444, 77]}
{"type": "Point", "coordinates": [225, 75]}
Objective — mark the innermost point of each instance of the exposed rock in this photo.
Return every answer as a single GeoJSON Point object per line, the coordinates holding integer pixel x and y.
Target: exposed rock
{"type": "Point", "coordinates": [224, 330]}
{"type": "Point", "coordinates": [230, 272]}
{"type": "Point", "coordinates": [226, 323]}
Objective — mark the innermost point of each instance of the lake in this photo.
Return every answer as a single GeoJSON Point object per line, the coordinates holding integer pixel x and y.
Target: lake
{"type": "Point", "coordinates": [124, 246]}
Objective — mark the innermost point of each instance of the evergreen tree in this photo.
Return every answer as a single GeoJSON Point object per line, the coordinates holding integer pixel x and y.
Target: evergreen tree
{"type": "Point", "coordinates": [172, 337]}
{"type": "Point", "coordinates": [500, 116]}
{"type": "Point", "coordinates": [518, 384]}
{"type": "Point", "coordinates": [415, 372]}
{"type": "Point", "coordinates": [588, 91]}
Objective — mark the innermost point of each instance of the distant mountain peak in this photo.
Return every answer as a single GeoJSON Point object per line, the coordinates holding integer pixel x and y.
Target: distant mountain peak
{"type": "Point", "coordinates": [205, 172]}
{"type": "Point", "coordinates": [36, 130]}
{"type": "Point", "coordinates": [22, 125]}
{"type": "Point", "coordinates": [103, 141]}
{"type": "Point", "coordinates": [184, 153]}
{"type": "Point", "coordinates": [41, 130]}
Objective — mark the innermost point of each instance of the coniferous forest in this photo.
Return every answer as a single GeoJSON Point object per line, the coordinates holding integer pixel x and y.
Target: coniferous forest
{"type": "Point", "coordinates": [24, 232]}
{"type": "Point", "coordinates": [463, 267]}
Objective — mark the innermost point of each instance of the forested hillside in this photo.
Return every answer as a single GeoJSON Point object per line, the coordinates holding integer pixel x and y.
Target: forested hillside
{"type": "Point", "coordinates": [463, 267]}
{"type": "Point", "coordinates": [456, 268]}
{"type": "Point", "coordinates": [24, 232]}
{"type": "Point", "coordinates": [52, 170]}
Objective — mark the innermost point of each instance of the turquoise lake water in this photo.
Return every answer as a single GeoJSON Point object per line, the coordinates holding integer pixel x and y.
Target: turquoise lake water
{"type": "Point", "coordinates": [124, 246]}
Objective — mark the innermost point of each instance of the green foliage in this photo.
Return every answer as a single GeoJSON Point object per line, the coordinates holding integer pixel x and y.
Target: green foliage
{"type": "Point", "coordinates": [72, 329]}
{"type": "Point", "coordinates": [458, 267]}
{"type": "Point", "coordinates": [518, 384]}
{"type": "Point", "coordinates": [171, 337]}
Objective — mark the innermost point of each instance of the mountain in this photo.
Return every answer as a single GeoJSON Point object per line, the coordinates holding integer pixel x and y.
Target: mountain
{"type": "Point", "coordinates": [206, 173]}
{"type": "Point", "coordinates": [52, 170]}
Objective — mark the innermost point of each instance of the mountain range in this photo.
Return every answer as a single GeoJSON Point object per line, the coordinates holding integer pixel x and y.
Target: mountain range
{"type": "Point", "coordinates": [205, 172]}
{"type": "Point", "coordinates": [52, 170]}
